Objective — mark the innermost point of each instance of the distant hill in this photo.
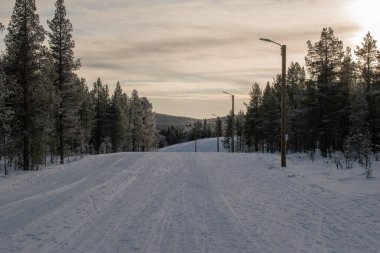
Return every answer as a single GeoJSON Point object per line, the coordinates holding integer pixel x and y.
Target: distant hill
{"type": "Point", "coordinates": [164, 120]}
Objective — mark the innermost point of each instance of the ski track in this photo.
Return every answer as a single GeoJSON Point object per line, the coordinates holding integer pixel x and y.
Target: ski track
{"type": "Point", "coordinates": [181, 202]}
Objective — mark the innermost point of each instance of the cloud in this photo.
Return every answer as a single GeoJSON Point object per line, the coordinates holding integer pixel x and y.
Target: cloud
{"type": "Point", "coordinates": [180, 49]}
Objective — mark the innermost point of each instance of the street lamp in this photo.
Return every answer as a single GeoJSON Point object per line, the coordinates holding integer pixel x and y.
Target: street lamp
{"type": "Point", "coordinates": [283, 87]}
{"type": "Point", "coordinates": [233, 121]}
{"type": "Point", "coordinates": [218, 125]}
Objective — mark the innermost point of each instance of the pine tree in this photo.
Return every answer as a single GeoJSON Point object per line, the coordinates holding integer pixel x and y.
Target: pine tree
{"type": "Point", "coordinates": [62, 45]}
{"type": "Point", "coordinates": [323, 61]}
{"type": "Point", "coordinates": [324, 57]}
{"type": "Point", "coordinates": [218, 128]}
{"type": "Point", "coordinates": [270, 115]}
{"type": "Point", "coordinates": [253, 127]}
{"type": "Point", "coordinates": [136, 121]}
{"type": "Point", "coordinates": [368, 56]}
{"type": "Point", "coordinates": [228, 133]}
{"type": "Point", "coordinates": [347, 82]}
{"type": "Point", "coordinates": [149, 139]}
{"type": "Point", "coordinates": [348, 72]}
{"type": "Point", "coordinates": [296, 78]}
{"type": "Point", "coordinates": [44, 96]}
{"type": "Point", "coordinates": [100, 106]}
{"type": "Point", "coordinates": [23, 59]}
{"type": "Point", "coordinates": [357, 144]}
{"type": "Point", "coordinates": [86, 115]}
{"type": "Point", "coordinates": [310, 114]}
{"type": "Point", "coordinates": [6, 116]}
{"type": "Point", "coordinates": [119, 106]}
{"type": "Point", "coordinates": [369, 62]}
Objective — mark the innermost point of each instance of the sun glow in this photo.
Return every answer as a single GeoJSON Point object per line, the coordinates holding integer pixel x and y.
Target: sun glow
{"type": "Point", "coordinates": [366, 14]}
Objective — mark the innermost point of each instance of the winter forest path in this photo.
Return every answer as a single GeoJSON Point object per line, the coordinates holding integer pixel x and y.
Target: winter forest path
{"type": "Point", "coordinates": [181, 202]}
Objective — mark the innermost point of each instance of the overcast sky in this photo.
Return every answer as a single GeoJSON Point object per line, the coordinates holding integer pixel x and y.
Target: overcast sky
{"type": "Point", "coordinates": [183, 54]}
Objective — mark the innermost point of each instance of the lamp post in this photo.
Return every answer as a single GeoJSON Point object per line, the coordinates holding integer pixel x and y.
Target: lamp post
{"type": "Point", "coordinates": [218, 131]}
{"type": "Point", "coordinates": [283, 87]}
{"type": "Point", "coordinates": [233, 122]}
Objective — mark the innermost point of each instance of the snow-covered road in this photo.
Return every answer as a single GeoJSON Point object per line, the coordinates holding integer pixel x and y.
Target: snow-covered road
{"type": "Point", "coordinates": [182, 202]}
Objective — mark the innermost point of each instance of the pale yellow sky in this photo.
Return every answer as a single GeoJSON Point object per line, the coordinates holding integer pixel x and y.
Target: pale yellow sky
{"type": "Point", "coordinates": [183, 54]}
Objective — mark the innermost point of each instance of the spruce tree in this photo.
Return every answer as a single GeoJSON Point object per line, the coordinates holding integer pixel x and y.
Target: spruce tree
{"type": "Point", "coordinates": [368, 59]}
{"type": "Point", "coordinates": [347, 82]}
{"type": "Point", "coordinates": [136, 121]}
{"type": "Point", "coordinates": [296, 78]}
{"type": "Point", "coordinates": [100, 103]}
{"type": "Point", "coordinates": [149, 139]}
{"type": "Point", "coordinates": [6, 116]}
{"type": "Point", "coordinates": [252, 124]}
{"type": "Point", "coordinates": [23, 59]}
{"type": "Point", "coordinates": [44, 96]}
{"type": "Point", "coordinates": [118, 114]}
{"type": "Point", "coordinates": [62, 45]}
{"type": "Point", "coordinates": [323, 61]}
{"type": "Point", "coordinates": [311, 115]}
{"type": "Point", "coordinates": [357, 144]}
{"type": "Point", "coordinates": [270, 115]}
{"type": "Point", "coordinates": [369, 62]}
{"type": "Point", "coordinates": [86, 115]}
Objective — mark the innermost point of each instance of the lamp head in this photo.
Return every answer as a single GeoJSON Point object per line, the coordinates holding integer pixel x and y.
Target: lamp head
{"type": "Point", "coordinates": [267, 40]}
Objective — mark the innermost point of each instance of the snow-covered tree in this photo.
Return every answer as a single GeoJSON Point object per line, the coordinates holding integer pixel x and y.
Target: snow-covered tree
{"type": "Point", "coordinates": [6, 116]}
{"type": "Point", "coordinates": [323, 61]}
{"type": "Point", "coordinates": [68, 85]}
{"type": "Point", "coordinates": [296, 82]}
{"type": "Point", "coordinates": [105, 146]}
{"type": "Point", "coordinates": [149, 121]}
{"type": "Point", "coordinates": [24, 56]}
{"type": "Point", "coordinates": [357, 144]}
{"type": "Point", "coordinates": [369, 66]}
{"type": "Point", "coordinates": [86, 116]}
{"type": "Point", "coordinates": [136, 121]}
{"type": "Point", "coordinates": [100, 106]}
{"type": "Point", "coordinates": [119, 118]}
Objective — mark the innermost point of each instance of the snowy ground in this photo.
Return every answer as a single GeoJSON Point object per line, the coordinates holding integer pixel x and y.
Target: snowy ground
{"type": "Point", "coordinates": [203, 145]}
{"type": "Point", "coordinates": [190, 202]}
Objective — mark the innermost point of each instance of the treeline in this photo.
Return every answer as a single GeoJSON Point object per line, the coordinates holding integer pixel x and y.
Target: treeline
{"type": "Point", "coordinates": [171, 135]}
{"type": "Point", "coordinates": [46, 109]}
{"type": "Point", "coordinates": [335, 108]}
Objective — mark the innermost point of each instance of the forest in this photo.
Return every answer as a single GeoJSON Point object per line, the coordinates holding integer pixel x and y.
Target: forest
{"type": "Point", "coordinates": [46, 110]}
{"type": "Point", "coordinates": [335, 108]}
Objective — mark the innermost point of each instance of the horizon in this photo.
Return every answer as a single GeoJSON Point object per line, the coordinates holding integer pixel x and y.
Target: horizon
{"type": "Point", "coordinates": [182, 55]}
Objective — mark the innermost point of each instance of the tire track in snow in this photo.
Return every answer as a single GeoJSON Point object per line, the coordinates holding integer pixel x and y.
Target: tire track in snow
{"type": "Point", "coordinates": [333, 222]}
{"type": "Point", "coordinates": [184, 203]}
{"type": "Point", "coordinates": [65, 200]}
